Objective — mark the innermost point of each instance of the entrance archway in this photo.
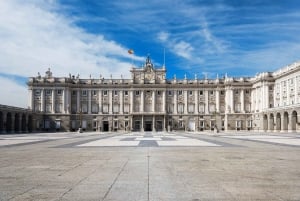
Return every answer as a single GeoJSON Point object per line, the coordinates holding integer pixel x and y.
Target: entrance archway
{"type": "Point", "coordinates": [265, 122]}
{"type": "Point", "coordinates": [278, 122]}
{"type": "Point", "coordinates": [23, 123]}
{"type": "Point", "coordinates": [1, 122]}
{"type": "Point", "coordinates": [8, 122]}
{"type": "Point", "coordinates": [285, 121]}
{"type": "Point", "coordinates": [148, 125]}
{"type": "Point", "coordinates": [294, 121]}
{"type": "Point", "coordinates": [17, 124]}
{"type": "Point", "coordinates": [30, 122]}
{"type": "Point", "coordinates": [105, 126]}
{"type": "Point", "coordinates": [191, 124]}
{"type": "Point", "coordinates": [271, 122]}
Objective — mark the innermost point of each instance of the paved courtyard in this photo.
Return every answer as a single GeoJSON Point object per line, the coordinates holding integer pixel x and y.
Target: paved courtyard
{"type": "Point", "coordinates": [150, 166]}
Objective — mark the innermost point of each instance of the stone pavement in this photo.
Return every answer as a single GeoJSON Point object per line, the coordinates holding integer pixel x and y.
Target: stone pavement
{"type": "Point", "coordinates": [150, 166]}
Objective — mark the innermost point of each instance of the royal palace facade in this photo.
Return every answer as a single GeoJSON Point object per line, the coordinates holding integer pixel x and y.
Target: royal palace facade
{"type": "Point", "coordinates": [150, 102]}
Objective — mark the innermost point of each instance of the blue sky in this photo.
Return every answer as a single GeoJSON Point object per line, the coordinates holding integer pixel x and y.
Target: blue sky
{"type": "Point", "coordinates": [236, 37]}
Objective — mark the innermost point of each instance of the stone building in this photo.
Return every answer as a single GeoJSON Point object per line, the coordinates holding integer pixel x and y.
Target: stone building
{"type": "Point", "coordinates": [150, 102]}
{"type": "Point", "coordinates": [16, 120]}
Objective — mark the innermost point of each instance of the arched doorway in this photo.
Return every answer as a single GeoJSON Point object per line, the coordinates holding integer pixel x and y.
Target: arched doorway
{"type": "Point", "coordinates": [23, 123]}
{"type": "Point", "coordinates": [285, 121]}
{"type": "Point", "coordinates": [271, 122]}
{"type": "Point", "coordinates": [30, 123]}
{"type": "Point", "coordinates": [8, 122]}
{"type": "Point", "coordinates": [17, 125]}
{"type": "Point", "coordinates": [265, 123]}
{"type": "Point", "coordinates": [191, 124]}
{"type": "Point", "coordinates": [1, 122]}
{"type": "Point", "coordinates": [278, 122]}
{"type": "Point", "coordinates": [294, 121]}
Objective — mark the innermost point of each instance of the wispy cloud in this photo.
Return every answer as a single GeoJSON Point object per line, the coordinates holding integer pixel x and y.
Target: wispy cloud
{"type": "Point", "coordinates": [34, 37]}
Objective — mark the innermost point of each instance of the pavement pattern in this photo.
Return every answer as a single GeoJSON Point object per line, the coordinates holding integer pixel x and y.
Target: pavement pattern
{"type": "Point", "coordinates": [150, 166]}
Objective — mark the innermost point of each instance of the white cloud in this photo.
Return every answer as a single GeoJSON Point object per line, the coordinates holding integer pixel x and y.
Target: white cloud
{"type": "Point", "coordinates": [183, 49]}
{"type": "Point", "coordinates": [33, 37]}
{"type": "Point", "coordinates": [12, 93]}
{"type": "Point", "coordinates": [163, 36]}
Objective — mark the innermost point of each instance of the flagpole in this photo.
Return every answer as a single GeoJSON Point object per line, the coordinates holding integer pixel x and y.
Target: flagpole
{"type": "Point", "coordinates": [164, 58]}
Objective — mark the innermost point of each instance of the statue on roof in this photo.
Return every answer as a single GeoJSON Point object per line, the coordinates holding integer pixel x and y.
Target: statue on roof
{"type": "Point", "coordinates": [48, 73]}
{"type": "Point", "coordinates": [148, 64]}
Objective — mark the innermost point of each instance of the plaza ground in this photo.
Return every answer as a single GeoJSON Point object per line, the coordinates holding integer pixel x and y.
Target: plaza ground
{"type": "Point", "coordinates": [150, 166]}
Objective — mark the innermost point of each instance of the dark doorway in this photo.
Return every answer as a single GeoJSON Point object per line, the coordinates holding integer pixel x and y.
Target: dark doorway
{"type": "Point", "coordinates": [105, 126]}
{"type": "Point", "coordinates": [148, 126]}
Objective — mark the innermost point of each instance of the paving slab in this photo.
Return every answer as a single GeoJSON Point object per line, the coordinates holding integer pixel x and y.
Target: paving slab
{"type": "Point", "coordinates": [150, 166]}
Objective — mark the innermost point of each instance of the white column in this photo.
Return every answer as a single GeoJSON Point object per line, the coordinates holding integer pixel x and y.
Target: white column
{"type": "Point", "coordinates": [231, 100]}
{"type": "Point", "coordinates": [69, 103]}
{"type": "Point", "coordinates": [267, 100]}
{"type": "Point", "coordinates": [185, 101]}
{"type": "Point", "coordinates": [131, 101]}
{"type": "Point", "coordinates": [78, 101]}
{"type": "Point", "coordinates": [288, 92]}
{"type": "Point", "coordinates": [110, 100]}
{"type": "Point", "coordinates": [196, 102]}
{"type": "Point", "coordinates": [227, 102]}
{"type": "Point", "coordinates": [206, 101]}
{"type": "Point", "coordinates": [242, 99]}
{"type": "Point", "coordinates": [142, 101]}
{"type": "Point", "coordinates": [163, 101]}
{"type": "Point", "coordinates": [53, 101]}
{"type": "Point", "coordinates": [63, 97]}
{"type": "Point", "coordinates": [261, 97]}
{"type": "Point", "coordinates": [295, 91]}
{"type": "Point", "coordinates": [217, 100]}
{"type": "Point", "coordinates": [175, 102]}
{"type": "Point", "coordinates": [281, 94]}
{"type": "Point", "coordinates": [121, 102]}
{"type": "Point", "coordinates": [153, 101]}
{"type": "Point", "coordinates": [100, 101]}
{"type": "Point", "coordinates": [43, 100]}
{"type": "Point", "coordinates": [89, 101]}
{"type": "Point", "coordinates": [31, 99]}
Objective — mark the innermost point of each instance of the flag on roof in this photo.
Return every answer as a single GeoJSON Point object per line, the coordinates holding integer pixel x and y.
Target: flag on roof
{"type": "Point", "coordinates": [130, 51]}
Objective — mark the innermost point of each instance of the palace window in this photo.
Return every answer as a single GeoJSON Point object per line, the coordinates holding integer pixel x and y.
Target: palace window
{"type": "Point", "coordinates": [137, 93]}
{"type": "Point", "coordinates": [126, 108]}
{"type": "Point", "coordinates": [105, 92]}
{"type": "Point", "coordinates": [84, 108]}
{"type": "Point", "coordinates": [180, 108]}
{"type": "Point", "coordinates": [116, 108]}
{"type": "Point", "coordinates": [59, 92]}
{"type": "Point", "coordinates": [191, 108]}
{"type": "Point", "coordinates": [105, 108]}
{"type": "Point", "coordinates": [170, 93]}
{"type": "Point", "coordinates": [37, 107]}
{"type": "Point", "coordinates": [84, 93]}
{"type": "Point", "coordinates": [201, 108]}
{"type": "Point", "coordinates": [94, 108]}
{"type": "Point", "coordinates": [116, 93]}
{"type": "Point", "coordinates": [190, 93]}
{"type": "Point", "coordinates": [201, 93]}
{"type": "Point", "coordinates": [48, 92]}
{"type": "Point", "coordinates": [180, 92]}
{"type": "Point", "coordinates": [212, 107]}
{"type": "Point", "coordinates": [48, 107]}
{"type": "Point", "coordinates": [37, 92]}
{"type": "Point", "coordinates": [126, 93]}
{"type": "Point", "coordinates": [58, 107]}
{"type": "Point", "coordinates": [94, 93]}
